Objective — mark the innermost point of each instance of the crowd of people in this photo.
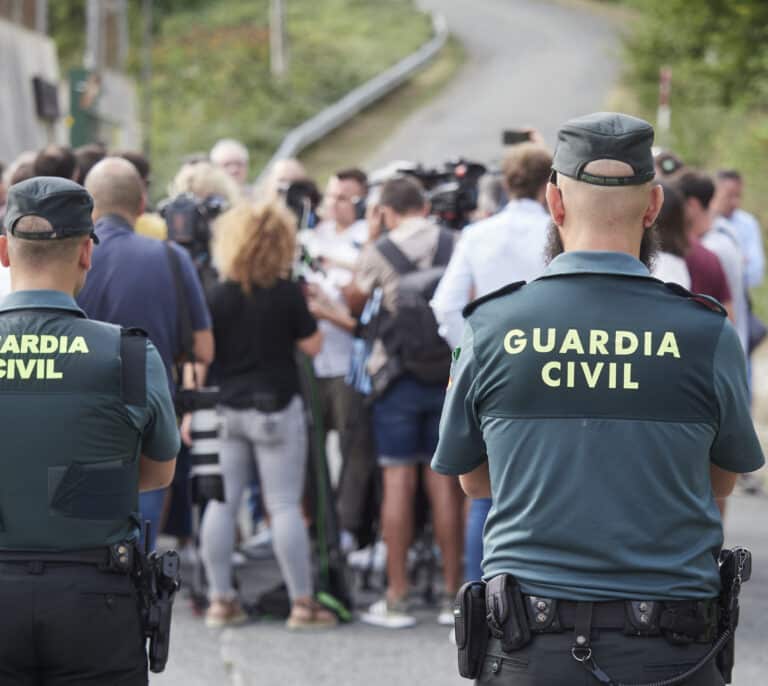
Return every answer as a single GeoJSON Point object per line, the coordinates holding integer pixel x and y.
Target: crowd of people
{"type": "Point", "coordinates": [355, 253]}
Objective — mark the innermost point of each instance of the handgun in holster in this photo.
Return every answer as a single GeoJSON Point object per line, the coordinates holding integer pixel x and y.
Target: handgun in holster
{"type": "Point", "coordinates": [471, 628]}
{"type": "Point", "coordinates": [735, 568]}
{"type": "Point", "coordinates": [158, 580]}
{"type": "Point", "coordinates": [506, 614]}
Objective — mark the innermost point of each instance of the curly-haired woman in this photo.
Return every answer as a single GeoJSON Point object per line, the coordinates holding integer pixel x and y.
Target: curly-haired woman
{"type": "Point", "coordinates": [259, 319]}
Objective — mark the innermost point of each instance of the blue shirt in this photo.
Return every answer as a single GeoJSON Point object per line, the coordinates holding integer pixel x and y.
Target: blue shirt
{"type": "Point", "coordinates": [131, 284]}
{"type": "Point", "coordinates": [600, 397]}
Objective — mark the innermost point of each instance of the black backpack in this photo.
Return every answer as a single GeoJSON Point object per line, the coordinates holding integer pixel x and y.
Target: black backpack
{"type": "Point", "coordinates": [409, 335]}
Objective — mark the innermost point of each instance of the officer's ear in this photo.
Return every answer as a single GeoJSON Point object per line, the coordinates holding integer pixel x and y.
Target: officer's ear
{"type": "Point", "coordinates": [86, 254]}
{"type": "Point", "coordinates": [4, 251]}
{"type": "Point", "coordinates": [654, 206]}
{"type": "Point", "coordinates": [555, 204]}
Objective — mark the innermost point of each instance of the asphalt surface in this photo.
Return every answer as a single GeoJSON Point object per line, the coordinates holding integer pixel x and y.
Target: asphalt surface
{"type": "Point", "coordinates": [529, 63]}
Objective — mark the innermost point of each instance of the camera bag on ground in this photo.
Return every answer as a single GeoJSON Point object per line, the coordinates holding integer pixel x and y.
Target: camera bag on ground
{"type": "Point", "coordinates": [410, 334]}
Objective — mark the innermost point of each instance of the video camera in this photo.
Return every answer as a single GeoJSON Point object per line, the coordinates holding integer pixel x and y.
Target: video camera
{"type": "Point", "coordinates": [452, 190]}
{"type": "Point", "coordinates": [189, 224]}
{"type": "Point", "coordinates": [302, 198]}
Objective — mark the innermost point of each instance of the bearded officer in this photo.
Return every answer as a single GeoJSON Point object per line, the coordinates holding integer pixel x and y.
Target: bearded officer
{"type": "Point", "coordinates": [87, 422]}
{"type": "Point", "coordinates": [603, 411]}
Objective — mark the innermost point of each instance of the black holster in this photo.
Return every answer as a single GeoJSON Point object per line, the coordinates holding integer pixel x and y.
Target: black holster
{"type": "Point", "coordinates": [471, 628]}
{"type": "Point", "coordinates": [506, 614]}
{"type": "Point", "coordinates": [735, 568]}
{"type": "Point", "coordinates": [157, 580]}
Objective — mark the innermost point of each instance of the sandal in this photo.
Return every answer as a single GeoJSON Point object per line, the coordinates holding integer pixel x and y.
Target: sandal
{"type": "Point", "coordinates": [309, 614]}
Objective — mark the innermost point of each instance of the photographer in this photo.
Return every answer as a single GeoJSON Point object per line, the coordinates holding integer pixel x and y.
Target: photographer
{"type": "Point", "coordinates": [260, 318]}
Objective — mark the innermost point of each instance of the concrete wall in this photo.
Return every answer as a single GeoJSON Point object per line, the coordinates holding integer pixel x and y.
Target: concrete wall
{"type": "Point", "coordinates": [23, 55]}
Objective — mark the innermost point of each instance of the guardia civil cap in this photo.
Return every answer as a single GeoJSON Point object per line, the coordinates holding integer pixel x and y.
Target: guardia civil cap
{"type": "Point", "coordinates": [66, 205]}
{"type": "Point", "coordinates": [605, 136]}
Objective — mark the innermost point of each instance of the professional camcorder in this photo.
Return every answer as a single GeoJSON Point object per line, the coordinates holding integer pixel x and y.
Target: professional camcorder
{"type": "Point", "coordinates": [189, 224]}
{"type": "Point", "coordinates": [302, 198]}
{"type": "Point", "coordinates": [452, 190]}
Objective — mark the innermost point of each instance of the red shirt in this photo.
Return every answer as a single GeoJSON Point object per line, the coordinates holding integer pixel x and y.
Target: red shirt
{"type": "Point", "coordinates": [707, 275]}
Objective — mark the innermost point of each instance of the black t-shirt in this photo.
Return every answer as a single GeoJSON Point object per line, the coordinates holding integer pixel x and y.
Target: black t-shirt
{"type": "Point", "coordinates": [256, 339]}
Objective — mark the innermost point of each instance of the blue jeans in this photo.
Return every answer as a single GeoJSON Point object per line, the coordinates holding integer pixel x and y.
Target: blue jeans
{"type": "Point", "coordinates": [473, 546]}
{"type": "Point", "coordinates": [151, 508]}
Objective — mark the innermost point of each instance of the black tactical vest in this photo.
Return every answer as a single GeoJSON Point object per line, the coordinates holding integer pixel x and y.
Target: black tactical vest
{"type": "Point", "coordinates": [69, 461]}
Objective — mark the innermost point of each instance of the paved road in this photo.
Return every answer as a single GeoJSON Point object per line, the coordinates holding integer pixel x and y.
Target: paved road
{"type": "Point", "coordinates": [529, 62]}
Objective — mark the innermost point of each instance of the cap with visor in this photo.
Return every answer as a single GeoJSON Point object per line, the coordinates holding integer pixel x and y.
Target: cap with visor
{"type": "Point", "coordinates": [604, 136]}
{"type": "Point", "coordinates": [64, 204]}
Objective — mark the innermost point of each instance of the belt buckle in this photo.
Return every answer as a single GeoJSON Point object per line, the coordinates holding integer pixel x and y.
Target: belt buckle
{"type": "Point", "coordinates": [642, 617]}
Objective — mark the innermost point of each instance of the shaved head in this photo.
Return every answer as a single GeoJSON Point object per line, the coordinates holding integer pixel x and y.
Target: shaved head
{"type": "Point", "coordinates": [612, 218]}
{"type": "Point", "coordinates": [604, 207]}
{"type": "Point", "coordinates": [116, 188]}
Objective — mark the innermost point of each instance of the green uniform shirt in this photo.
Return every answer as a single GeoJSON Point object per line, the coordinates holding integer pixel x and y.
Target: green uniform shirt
{"type": "Point", "coordinates": [69, 466]}
{"type": "Point", "coordinates": [600, 397]}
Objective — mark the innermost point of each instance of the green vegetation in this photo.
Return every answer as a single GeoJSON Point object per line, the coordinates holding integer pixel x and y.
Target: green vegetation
{"type": "Point", "coordinates": [211, 66]}
{"type": "Point", "coordinates": [718, 53]}
{"type": "Point", "coordinates": [356, 141]}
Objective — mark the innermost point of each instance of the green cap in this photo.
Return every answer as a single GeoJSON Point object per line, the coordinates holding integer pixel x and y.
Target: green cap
{"type": "Point", "coordinates": [605, 136]}
{"type": "Point", "coordinates": [66, 205]}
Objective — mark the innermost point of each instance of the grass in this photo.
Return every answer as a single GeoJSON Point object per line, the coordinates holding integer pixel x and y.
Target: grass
{"type": "Point", "coordinates": [212, 79]}
{"type": "Point", "coordinates": [354, 142]}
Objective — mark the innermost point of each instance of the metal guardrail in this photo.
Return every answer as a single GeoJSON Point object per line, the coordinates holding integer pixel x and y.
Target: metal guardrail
{"type": "Point", "coordinates": [361, 97]}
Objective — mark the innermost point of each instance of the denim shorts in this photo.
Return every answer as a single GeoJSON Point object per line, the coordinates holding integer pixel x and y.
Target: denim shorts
{"type": "Point", "coordinates": [406, 421]}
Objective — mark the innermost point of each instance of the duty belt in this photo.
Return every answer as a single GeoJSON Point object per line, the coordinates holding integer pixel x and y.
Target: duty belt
{"type": "Point", "coordinates": [682, 621]}
{"type": "Point", "coordinates": [118, 558]}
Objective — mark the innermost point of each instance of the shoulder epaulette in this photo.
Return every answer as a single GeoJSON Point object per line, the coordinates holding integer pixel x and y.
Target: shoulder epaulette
{"type": "Point", "coordinates": [133, 331]}
{"type": "Point", "coordinates": [704, 300]}
{"type": "Point", "coordinates": [504, 290]}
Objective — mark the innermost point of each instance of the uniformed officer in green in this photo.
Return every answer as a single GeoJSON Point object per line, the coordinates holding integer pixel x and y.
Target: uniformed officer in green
{"type": "Point", "coordinates": [603, 411]}
{"type": "Point", "coordinates": [86, 422]}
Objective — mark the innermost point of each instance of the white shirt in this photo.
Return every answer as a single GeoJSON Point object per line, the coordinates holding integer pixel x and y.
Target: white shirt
{"type": "Point", "coordinates": [491, 253]}
{"type": "Point", "coordinates": [747, 230]}
{"type": "Point", "coordinates": [671, 268]}
{"type": "Point", "coordinates": [343, 248]}
{"type": "Point", "coordinates": [5, 281]}
{"type": "Point", "coordinates": [722, 241]}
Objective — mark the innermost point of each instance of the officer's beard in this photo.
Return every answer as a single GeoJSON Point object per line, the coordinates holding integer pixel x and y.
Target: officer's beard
{"type": "Point", "coordinates": [649, 245]}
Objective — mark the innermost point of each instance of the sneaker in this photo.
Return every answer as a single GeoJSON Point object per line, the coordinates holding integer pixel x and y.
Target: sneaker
{"type": "Point", "coordinates": [371, 557]}
{"type": "Point", "coordinates": [223, 613]}
{"type": "Point", "coordinates": [389, 614]}
{"type": "Point", "coordinates": [445, 615]}
{"type": "Point", "coordinates": [310, 615]}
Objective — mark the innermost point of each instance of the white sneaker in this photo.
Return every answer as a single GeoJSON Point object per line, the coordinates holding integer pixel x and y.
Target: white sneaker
{"type": "Point", "coordinates": [238, 559]}
{"type": "Point", "coordinates": [374, 558]}
{"type": "Point", "coordinates": [445, 615]}
{"type": "Point", "coordinates": [388, 615]}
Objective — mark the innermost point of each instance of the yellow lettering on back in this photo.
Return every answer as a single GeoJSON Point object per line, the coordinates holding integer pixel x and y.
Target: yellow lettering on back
{"type": "Point", "coordinates": [648, 343]}
{"type": "Point", "coordinates": [546, 374]}
{"type": "Point", "coordinates": [611, 375]}
{"type": "Point", "coordinates": [26, 368]}
{"type": "Point", "coordinates": [597, 342]}
{"type": "Point", "coordinates": [571, 374]}
{"type": "Point", "coordinates": [668, 345]}
{"type": "Point", "coordinates": [10, 345]}
{"type": "Point", "coordinates": [626, 343]}
{"type": "Point", "coordinates": [592, 376]}
{"type": "Point", "coordinates": [48, 344]}
{"type": "Point", "coordinates": [540, 347]}
{"type": "Point", "coordinates": [50, 370]}
{"type": "Point", "coordinates": [572, 342]}
{"type": "Point", "coordinates": [29, 343]}
{"type": "Point", "coordinates": [629, 384]}
{"type": "Point", "coordinates": [514, 342]}
{"type": "Point", "coordinates": [78, 345]}
{"type": "Point", "coordinates": [2, 369]}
